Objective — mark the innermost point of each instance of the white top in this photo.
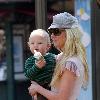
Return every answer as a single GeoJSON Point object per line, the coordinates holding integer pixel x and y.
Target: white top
{"type": "Point", "coordinates": [74, 65]}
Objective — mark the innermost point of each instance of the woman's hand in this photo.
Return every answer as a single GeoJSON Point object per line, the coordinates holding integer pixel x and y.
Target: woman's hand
{"type": "Point", "coordinates": [33, 89]}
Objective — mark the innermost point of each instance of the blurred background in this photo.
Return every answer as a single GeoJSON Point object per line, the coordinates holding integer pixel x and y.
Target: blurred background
{"type": "Point", "coordinates": [19, 17]}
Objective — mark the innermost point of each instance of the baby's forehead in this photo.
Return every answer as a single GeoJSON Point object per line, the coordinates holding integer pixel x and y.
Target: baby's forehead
{"type": "Point", "coordinates": [37, 36]}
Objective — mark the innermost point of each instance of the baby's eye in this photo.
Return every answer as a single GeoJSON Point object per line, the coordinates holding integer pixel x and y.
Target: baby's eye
{"type": "Point", "coordinates": [40, 43]}
{"type": "Point", "coordinates": [32, 43]}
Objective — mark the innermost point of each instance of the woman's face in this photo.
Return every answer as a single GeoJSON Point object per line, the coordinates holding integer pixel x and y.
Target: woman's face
{"type": "Point", "coordinates": [59, 40]}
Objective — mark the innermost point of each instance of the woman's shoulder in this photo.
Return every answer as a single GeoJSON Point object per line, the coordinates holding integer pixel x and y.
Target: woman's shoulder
{"type": "Point", "coordinates": [74, 64]}
{"type": "Point", "coordinates": [76, 60]}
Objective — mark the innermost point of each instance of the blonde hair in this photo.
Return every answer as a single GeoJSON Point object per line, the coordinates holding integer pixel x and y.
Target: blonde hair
{"type": "Point", "coordinates": [41, 33]}
{"type": "Point", "coordinates": [72, 47]}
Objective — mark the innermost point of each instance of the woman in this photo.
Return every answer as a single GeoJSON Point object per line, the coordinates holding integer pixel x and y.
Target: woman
{"type": "Point", "coordinates": [71, 72]}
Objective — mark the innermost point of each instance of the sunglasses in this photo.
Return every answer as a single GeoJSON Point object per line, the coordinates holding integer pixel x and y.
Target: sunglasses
{"type": "Point", "coordinates": [55, 31]}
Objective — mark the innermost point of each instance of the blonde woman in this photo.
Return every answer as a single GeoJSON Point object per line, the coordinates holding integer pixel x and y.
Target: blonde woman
{"type": "Point", "coordinates": [71, 71]}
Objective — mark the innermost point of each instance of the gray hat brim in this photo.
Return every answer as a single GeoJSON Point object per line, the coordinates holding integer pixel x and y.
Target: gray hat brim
{"type": "Point", "coordinates": [54, 26]}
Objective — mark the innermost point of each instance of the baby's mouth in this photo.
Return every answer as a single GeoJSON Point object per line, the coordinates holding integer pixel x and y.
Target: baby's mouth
{"type": "Point", "coordinates": [37, 49]}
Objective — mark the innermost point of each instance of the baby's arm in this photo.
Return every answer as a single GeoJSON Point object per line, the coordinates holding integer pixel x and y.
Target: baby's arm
{"type": "Point", "coordinates": [31, 70]}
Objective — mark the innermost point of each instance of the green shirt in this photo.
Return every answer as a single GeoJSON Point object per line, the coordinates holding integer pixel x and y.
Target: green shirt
{"type": "Point", "coordinates": [41, 76]}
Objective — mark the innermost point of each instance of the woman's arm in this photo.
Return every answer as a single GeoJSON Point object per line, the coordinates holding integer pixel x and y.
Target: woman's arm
{"type": "Point", "coordinates": [46, 93]}
{"type": "Point", "coordinates": [67, 84]}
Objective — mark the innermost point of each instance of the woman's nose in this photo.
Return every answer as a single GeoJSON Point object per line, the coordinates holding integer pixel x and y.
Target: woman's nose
{"type": "Point", "coordinates": [52, 35]}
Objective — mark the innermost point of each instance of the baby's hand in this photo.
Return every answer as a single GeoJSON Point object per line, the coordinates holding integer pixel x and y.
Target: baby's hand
{"type": "Point", "coordinates": [40, 61]}
{"type": "Point", "coordinates": [38, 55]}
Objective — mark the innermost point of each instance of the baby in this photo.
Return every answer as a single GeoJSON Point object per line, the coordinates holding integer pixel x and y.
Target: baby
{"type": "Point", "coordinates": [40, 66]}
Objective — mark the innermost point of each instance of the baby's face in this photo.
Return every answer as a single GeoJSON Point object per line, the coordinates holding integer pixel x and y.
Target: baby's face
{"type": "Point", "coordinates": [38, 43]}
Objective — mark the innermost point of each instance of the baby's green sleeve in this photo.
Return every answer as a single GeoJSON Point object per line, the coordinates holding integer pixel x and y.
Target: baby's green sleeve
{"type": "Point", "coordinates": [30, 68]}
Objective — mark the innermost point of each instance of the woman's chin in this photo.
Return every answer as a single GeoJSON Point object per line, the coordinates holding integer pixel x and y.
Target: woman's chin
{"type": "Point", "coordinates": [56, 45]}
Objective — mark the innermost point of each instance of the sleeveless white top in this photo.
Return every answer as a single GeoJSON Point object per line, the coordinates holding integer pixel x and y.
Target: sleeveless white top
{"type": "Point", "coordinates": [74, 65]}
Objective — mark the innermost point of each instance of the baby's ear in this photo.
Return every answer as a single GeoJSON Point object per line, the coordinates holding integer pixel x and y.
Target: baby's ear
{"type": "Point", "coordinates": [28, 44]}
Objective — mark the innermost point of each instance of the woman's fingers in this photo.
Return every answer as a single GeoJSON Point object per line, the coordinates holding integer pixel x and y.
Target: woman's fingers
{"type": "Point", "coordinates": [33, 82]}
{"type": "Point", "coordinates": [32, 92]}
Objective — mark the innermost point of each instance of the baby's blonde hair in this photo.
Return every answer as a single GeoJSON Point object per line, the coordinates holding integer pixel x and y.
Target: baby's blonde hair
{"type": "Point", "coordinates": [41, 33]}
{"type": "Point", "coordinates": [72, 47]}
